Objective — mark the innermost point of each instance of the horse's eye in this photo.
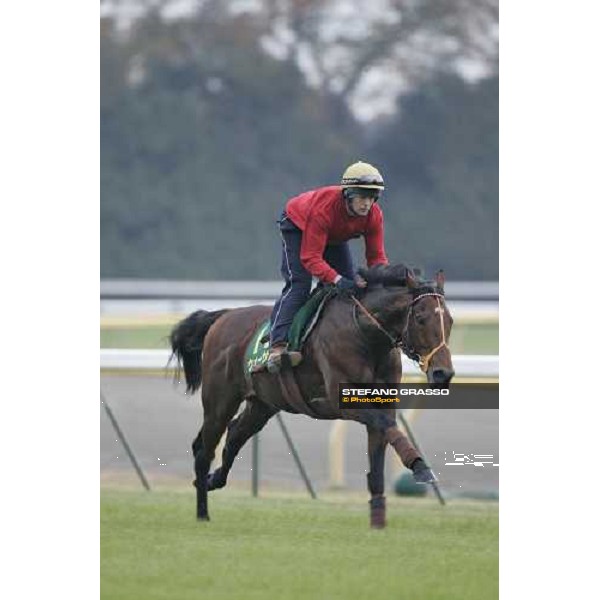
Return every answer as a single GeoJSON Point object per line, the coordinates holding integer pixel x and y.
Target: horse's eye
{"type": "Point", "coordinates": [420, 319]}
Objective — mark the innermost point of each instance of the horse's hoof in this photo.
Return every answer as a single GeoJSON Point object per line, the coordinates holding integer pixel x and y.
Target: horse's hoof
{"type": "Point", "coordinates": [378, 512]}
{"type": "Point", "coordinates": [424, 475]}
{"type": "Point", "coordinates": [378, 522]}
{"type": "Point", "coordinates": [214, 482]}
{"type": "Point", "coordinates": [203, 518]}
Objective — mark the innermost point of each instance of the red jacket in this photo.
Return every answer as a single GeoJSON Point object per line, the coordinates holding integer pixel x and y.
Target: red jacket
{"type": "Point", "coordinates": [322, 216]}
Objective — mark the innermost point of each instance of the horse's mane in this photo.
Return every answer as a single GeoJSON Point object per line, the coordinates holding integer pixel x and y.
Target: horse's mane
{"type": "Point", "coordinates": [389, 275]}
{"type": "Point", "coordinates": [396, 276]}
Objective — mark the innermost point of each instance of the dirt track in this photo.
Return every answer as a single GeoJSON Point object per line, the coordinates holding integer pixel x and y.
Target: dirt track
{"type": "Point", "coordinates": [160, 423]}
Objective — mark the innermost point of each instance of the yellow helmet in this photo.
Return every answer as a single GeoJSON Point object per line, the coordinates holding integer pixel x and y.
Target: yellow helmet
{"type": "Point", "coordinates": [362, 175]}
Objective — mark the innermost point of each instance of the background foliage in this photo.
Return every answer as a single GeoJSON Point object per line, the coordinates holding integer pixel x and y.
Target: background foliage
{"type": "Point", "coordinates": [208, 126]}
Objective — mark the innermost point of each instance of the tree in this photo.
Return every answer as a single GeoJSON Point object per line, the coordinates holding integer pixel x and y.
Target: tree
{"type": "Point", "coordinates": [441, 163]}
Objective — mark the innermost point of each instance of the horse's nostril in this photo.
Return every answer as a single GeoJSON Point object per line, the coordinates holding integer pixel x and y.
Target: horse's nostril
{"type": "Point", "coordinates": [442, 375]}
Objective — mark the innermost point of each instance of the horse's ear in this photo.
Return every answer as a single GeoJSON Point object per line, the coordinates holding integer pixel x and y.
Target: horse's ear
{"type": "Point", "coordinates": [411, 280]}
{"type": "Point", "coordinates": [440, 279]}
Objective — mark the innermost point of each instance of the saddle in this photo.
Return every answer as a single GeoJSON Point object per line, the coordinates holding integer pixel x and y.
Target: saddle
{"type": "Point", "coordinates": [302, 326]}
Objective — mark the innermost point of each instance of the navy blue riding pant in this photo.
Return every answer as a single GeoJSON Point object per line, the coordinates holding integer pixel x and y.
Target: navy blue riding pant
{"type": "Point", "coordinates": [297, 279]}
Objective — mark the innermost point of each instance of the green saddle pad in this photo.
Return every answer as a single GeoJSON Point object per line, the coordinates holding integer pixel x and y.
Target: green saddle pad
{"type": "Point", "coordinates": [303, 323]}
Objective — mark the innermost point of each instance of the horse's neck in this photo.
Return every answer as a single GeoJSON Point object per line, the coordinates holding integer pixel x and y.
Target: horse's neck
{"type": "Point", "coordinates": [389, 310]}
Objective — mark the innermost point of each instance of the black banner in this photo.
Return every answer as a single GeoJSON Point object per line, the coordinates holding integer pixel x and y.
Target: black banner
{"type": "Point", "coordinates": [418, 395]}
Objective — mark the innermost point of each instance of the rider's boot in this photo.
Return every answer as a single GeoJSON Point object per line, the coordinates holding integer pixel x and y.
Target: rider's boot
{"type": "Point", "coordinates": [274, 359]}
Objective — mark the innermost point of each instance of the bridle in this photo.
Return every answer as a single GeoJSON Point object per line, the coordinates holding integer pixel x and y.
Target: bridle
{"type": "Point", "coordinates": [403, 341]}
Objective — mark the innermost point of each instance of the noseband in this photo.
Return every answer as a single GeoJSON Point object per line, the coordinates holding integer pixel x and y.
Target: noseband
{"type": "Point", "coordinates": [403, 341]}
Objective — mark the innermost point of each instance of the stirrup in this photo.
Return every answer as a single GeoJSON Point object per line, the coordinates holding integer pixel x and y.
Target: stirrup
{"type": "Point", "coordinates": [295, 357]}
{"type": "Point", "coordinates": [274, 361]}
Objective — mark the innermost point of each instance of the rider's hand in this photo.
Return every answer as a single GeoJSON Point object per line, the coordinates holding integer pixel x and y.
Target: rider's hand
{"type": "Point", "coordinates": [343, 283]}
{"type": "Point", "coordinates": [359, 281]}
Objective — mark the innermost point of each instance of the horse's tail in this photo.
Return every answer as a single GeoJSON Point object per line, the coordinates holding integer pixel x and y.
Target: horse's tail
{"type": "Point", "coordinates": [187, 340]}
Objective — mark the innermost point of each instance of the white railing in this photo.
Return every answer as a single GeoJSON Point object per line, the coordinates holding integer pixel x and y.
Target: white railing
{"type": "Point", "coordinates": [468, 301]}
{"type": "Point", "coordinates": [465, 366]}
{"type": "Point", "coordinates": [484, 366]}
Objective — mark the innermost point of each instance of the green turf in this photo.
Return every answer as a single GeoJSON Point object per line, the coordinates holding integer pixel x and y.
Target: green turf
{"type": "Point", "coordinates": [290, 547]}
{"type": "Point", "coordinates": [465, 339]}
{"type": "Point", "coordinates": [149, 336]}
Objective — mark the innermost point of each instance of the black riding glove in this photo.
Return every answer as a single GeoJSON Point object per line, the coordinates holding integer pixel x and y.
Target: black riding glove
{"type": "Point", "coordinates": [345, 284]}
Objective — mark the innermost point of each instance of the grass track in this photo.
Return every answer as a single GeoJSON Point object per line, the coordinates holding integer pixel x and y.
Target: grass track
{"type": "Point", "coordinates": [285, 547]}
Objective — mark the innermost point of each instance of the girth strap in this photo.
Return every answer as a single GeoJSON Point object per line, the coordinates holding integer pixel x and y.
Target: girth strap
{"type": "Point", "coordinates": [292, 395]}
{"type": "Point", "coordinates": [290, 391]}
{"type": "Point", "coordinates": [289, 388]}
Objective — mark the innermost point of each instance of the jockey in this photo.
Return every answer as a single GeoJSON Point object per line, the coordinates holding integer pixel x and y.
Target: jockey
{"type": "Point", "coordinates": [315, 228]}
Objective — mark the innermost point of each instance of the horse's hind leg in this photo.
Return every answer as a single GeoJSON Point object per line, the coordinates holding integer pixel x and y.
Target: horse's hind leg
{"type": "Point", "coordinates": [250, 421]}
{"type": "Point", "coordinates": [203, 456]}
{"type": "Point", "coordinates": [204, 448]}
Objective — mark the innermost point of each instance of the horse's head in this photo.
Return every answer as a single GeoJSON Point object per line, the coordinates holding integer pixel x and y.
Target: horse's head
{"type": "Point", "coordinates": [427, 329]}
{"type": "Point", "coordinates": [413, 311]}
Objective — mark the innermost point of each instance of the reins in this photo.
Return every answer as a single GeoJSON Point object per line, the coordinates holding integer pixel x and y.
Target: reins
{"type": "Point", "coordinates": [401, 341]}
{"type": "Point", "coordinates": [375, 322]}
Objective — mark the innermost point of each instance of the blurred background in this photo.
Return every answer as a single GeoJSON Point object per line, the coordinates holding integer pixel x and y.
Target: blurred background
{"type": "Point", "coordinates": [213, 113]}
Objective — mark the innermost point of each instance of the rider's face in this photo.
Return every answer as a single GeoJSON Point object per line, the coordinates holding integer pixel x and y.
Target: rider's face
{"type": "Point", "coordinates": [361, 205]}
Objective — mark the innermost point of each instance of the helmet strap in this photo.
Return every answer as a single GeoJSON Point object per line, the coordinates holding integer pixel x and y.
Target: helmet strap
{"type": "Point", "coordinates": [348, 200]}
{"type": "Point", "coordinates": [349, 208]}
{"type": "Point", "coordinates": [347, 195]}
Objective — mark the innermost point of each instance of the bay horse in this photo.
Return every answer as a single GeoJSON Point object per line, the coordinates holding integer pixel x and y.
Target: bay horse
{"type": "Point", "coordinates": [357, 340]}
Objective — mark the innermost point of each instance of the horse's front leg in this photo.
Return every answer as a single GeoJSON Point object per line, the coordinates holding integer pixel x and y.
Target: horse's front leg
{"type": "Point", "coordinates": [383, 422]}
{"type": "Point", "coordinates": [380, 420]}
{"type": "Point", "coordinates": [375, 477]}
